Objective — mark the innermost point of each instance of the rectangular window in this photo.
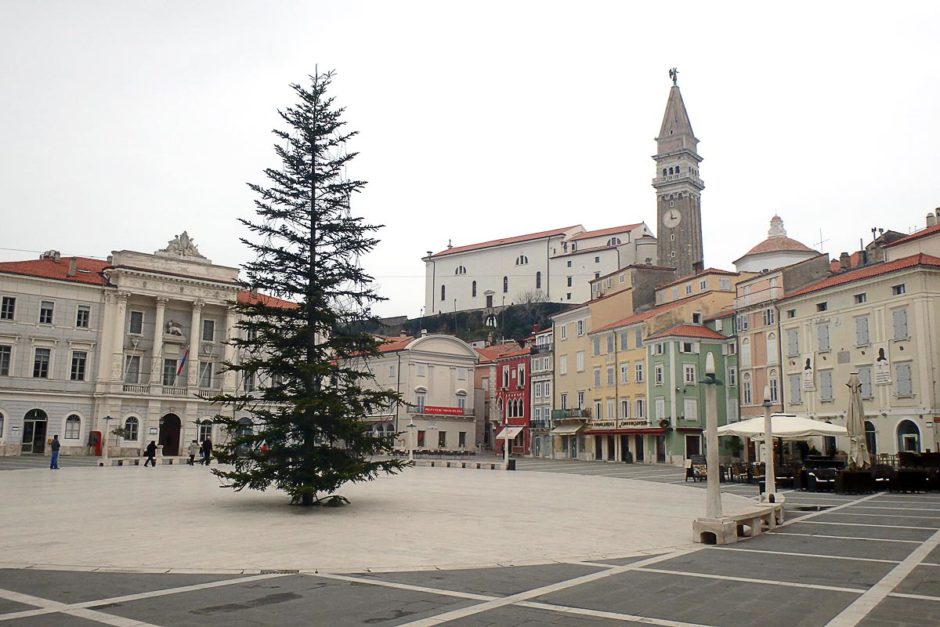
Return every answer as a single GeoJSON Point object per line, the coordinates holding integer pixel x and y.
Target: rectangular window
{"type": "Point", "coordinates": [136, 326]}
{"type": "Point", "coordinates": [205, 430]}
{"type": "Point", "coordinates": [248, 379]}
{"type": "Point", "coordinates": [597, 410]}
{"type": "Point", "coordinates": [639, 372]}
{"type": "Point", "coordinates": [769, 317]}
{"type": "Point", "coordinates": [610, 375]}
{"type": "Point", "coordinates": [864, 378]}
{"type": "Point", "coordinates": [793, 342]}
{"type": "Point", "coordinates": [658, 375]}
{"type": "Point", "coordinates": [41, 361]}
{"type": "Point", "coordinates": [7, 308]}
{"type": "Point", "coordinates": [422, 370]}
{"type": "Point", "coordinates": [505, 377]}
{"type": "Point", "coordinates": [724, 284]}
{"type": "Point", "coordinates": [610, 343]}
{"type": "Point", "coordinates": [169, 372]}
{"type": "Point", "coordinates": [793, 383]}
{"type": "Point", "coordinates": [611, 406]}
{"type": "Point", "coordinates": [208, 330]}
{"type": "Point", "coordinates": [520, 377]}
{"type": "Point", "coordinates": [563, 331]}
{"type": "Point", "coordinates": [421, 438]}
{"type": "Point", "coordinates": [580, 400]}
{"type": "Point", "coordinates": [638, 339]}
{"type": "Point", "coordinates": [625, 373]}
{"type": "Point", "coordinates": [688, 374]}
{"type": "Point", "coordinates": [205, 374]}
{"type": "Point", "coordinates": [461, 374]}
{"type": "Point", "coordinates": [45, 312]}
{"type": "Point", "coordinates": [898, 289]}
{"type": "Point", "coordinates": [640, 408]}
{"type": "Point", "coordinates": [774, 392]}
{"type": "Point", "coordinates": [822, 306]}
{"type": "Point", "coordinates": [742, 322]}
{"type": "Point", "coordinates": [791, 313]}
{"type": "Point", "coordinates": [563, 364]}
{"type": "Point", "coordinates": [442, 439]}
{"type": "Point", "coordinates": [860, 298]}
{"type": "Point", "coordinates": [902, 379]}
{"type": "Point", "coordinates": [660, 408]}
{"type": "Point", "coordinates": [391, 370]}
{"type": "Point", "coordinates": [6, 356]}
{"type": "Point", "coordinates": [732, 376]}
{"type": "Point", "coordinates": [688, 288]}
{"type": "Point", "coordinates": [825, 385]}
{"type": "Point", "coordinates": [580, 325]}
{"type": "Point", "coordinates": [564, 400]}
{"type": "Point", "coordinates": [625, 409]}
{"type": "Point", "coordinates": [420, 399]}
{"type": "Point", "coordinates": [579, 361]}
{"type": "Point", "coordinates": [82, 316]}
{"type": "Point", "coordinates": [899, 322]}
{"type": "Point", "coordinates": [132, 369]}
{"type": "Point", "coordinates": [747, 392]}
{"type": "Point", "coordinates": [569, 282]}
{"type": "Point", "coordinates": [690, 409]}
{"type": "Point", "coordinates": [462, 439]}
{"type": "Point", "coordinates": [597, 377]}
{"type": "Point", "coordinates": [597, 345]}
{"type": "Point", "coordinates": [624, 341]}
{"type": "Point", "coordinates": [702, 285]}
{"type": "Point", "coordinates": [822, 337]}
{"type": "Point", "coordinates": [547, 389]}
{"type": "Point", "coordinates": [77, 372]}
{"type": "Point", "coordinates": [861, 331]}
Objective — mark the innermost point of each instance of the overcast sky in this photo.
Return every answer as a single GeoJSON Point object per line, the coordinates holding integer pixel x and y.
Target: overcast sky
{"type": "Point", "coordinates": [124, 123]}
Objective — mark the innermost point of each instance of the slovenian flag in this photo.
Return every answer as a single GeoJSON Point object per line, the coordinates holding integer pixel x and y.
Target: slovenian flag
{"type": "Point", "coordinates": [179, 369]}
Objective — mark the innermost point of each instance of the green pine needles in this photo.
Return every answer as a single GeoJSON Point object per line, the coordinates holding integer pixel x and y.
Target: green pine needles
{"type": "Point", "coordinates": [302, 360]}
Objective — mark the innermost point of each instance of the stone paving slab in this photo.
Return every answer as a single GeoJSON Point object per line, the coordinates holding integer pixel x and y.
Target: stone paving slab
{"type": "Point", "coordinates": [827, 546]}
{"type": "Point", "coordinates": [850, 531]}
{"type": "Point", "coordinates": [67, 587]}
{"type": "Point", "coordinates": [291, 600]}
{"type": "Point", "coordinates": [529, 617]}
{"type": "Point", "coordinates": [705, 601]}
{"type": "Point", "coordinates": [934, 556]}
{"type": "Point", "coordinates": [52, 620]}
{"type": "Point", "coordinates": [851, 515]}
{"type": "Point", "coordinates": [923, 580]}
{"type": "Point", "coordinates": [12, 606]}
{"type": "Point", "coordinates": [895, 612]}
{"type": "Point", "coordinates": [502, 582]}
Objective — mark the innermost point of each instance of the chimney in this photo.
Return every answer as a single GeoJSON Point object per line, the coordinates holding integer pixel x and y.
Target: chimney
{"type": "Point", "coordinates": [73, 266]}
{"type": "Point", "coordinates": [844, 263]}
{"type": "Point", "coordinates": [931, 219]}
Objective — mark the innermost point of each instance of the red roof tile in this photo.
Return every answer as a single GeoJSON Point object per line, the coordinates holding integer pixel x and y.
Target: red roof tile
{"type": "Point", "coordinates": [867, 272]}
{"type": "Point", "coordinates": [916, 235]}
{"type": "Point", "coordinates": [689, 330]}
{"type": "Point", "coordinates": [645, 315]}
{"type": "Point", "coordinates": [779, 243]}
{"type": "Point", "coordinates": [250, 298]}
{"type": "Point", "coordinates": [506, 240]}
{"type": "Point", "coordinates": [494, 351]}
{"type": "Point", "coordinates": [395, 344]}
{"type": "Point", "coordinates": [602, 232]}
{"type": "Point", "coordinates": [704, 272]}
{"type": "Point", "coordinates": [87, 271]}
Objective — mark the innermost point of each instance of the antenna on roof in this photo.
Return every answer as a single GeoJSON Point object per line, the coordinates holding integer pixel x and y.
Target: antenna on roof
{"type": "Point", "coordinates": [821, 241]}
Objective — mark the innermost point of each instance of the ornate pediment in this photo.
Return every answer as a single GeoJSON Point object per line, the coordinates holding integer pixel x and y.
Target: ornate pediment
{"type": "Point", "coordinates": [181, 246]}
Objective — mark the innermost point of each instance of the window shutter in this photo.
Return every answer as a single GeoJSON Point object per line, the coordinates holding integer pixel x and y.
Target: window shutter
{"type": "Point", "coordinates": [899, 318]}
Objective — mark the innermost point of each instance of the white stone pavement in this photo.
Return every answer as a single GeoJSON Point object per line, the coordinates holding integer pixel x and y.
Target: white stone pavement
{"type": "Point", "coordinates": [178, 518]}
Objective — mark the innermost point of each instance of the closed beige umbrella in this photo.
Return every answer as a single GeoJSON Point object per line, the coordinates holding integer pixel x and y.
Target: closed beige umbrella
{"type": "Point", "coordinates": [859, 458]}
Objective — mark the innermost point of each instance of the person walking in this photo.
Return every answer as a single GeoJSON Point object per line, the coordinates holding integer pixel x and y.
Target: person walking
{"type": "Point", "coordinates": [206, 451]}
{"type": "Point", "coordinates": [151, 454]}
{"type": "Point", "coordinates": [56, 445]}
{"type": "Point", "coordinates": [193, 449]}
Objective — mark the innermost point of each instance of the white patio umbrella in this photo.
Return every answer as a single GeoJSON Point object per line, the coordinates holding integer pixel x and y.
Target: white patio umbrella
{"type": "Point", "coordinates": [786, 426]}
{"type": "Point", "coordinates": [855, 425]}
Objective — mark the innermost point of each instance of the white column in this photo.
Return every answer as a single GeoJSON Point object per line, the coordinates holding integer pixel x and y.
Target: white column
{"type": "Point", "coordinates": [770, 480]}
{"type": "Point", "coordinates": [192, 372]}
{"type": "Point", "coordinates": [228, 350]}
{"type": "Point", "coordinates": [117, 337]}
{"type": "Point", "coordinates": [156, 361]}
{"type": "Point", "coordinates": [713, 488]}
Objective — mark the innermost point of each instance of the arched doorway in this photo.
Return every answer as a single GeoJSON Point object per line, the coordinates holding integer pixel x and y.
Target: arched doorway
{"type": "Point", "coordinates": [170, 434]}
{"type": "Point", "coordinates": [34, 432]}
{"type": "Point", "coordinates": [908, 437]}
{"type": "Point", "coordinates": [870, 438]}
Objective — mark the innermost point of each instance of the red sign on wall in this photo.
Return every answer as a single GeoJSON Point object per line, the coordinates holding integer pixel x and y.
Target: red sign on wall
{"type": "Point", "coordinates": [446, 411]}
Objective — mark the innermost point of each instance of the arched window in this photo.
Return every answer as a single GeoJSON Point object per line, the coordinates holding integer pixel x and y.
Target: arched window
{"type": "Point", "coordinates": [460, 270]}
{"type": "Point", "coordinates": [772, 384]}
{"type": "Point", "coordinates": [490, 321]}
{"type": "Point", "coordinates": [505, 285]}
{"type": "Point", "coordinates": [204, 431]}
{"type": "Point", "coordinates": [131, 429]}
{"type": "Point", "coordinates": [677, 169]}
{"type": "Point", "coordinates": [522, 260]}
{"type": "Point", "coordinates": [747, 391]}
{"type": "Point", "coordinates": [538, 280]}
{"type": "Point", "coordinates": [771, 348]}
{"type": "Point", "coordinates": [670, 170]}
{"type": "Point", "coordinates": [908, 437]}
{"type": "Point", "coordinates": [473, 289]}
{"type": "Point", "coordinates": [614, 241]}
{"type": "Point", "coordinates": [73, 427]}
{"type": "Point", "coordinates": [745, 353]}
{"type": "Point", "coordinates": [664, 171]}
{"type": "Point", "coordinates": [870, 438]}
{"type": "Point", "coordinates": [443, 292]}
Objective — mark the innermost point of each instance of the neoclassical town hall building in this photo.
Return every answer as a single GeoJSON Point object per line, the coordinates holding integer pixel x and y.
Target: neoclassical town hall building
{"type": "Point", "coordinates": [90, 346]}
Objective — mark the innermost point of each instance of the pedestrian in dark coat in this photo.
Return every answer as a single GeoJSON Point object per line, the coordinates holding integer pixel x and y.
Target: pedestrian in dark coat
{"type": "Point", "coordinates": [206, 451]}
{"type": "Point", "coordinates": [56, 445]}
{"type": "Point", "coordinates": [151, 454]}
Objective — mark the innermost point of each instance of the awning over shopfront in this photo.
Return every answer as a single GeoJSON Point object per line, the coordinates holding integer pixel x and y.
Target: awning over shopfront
{"type": "Point", "coordinates": [509, 433]}
{"type": "Point", "coordinates": [566, 429]}
{"type": "Point", "coordinates": [782, 426]}
{"type": "Point", "coordinates": [627, 431]}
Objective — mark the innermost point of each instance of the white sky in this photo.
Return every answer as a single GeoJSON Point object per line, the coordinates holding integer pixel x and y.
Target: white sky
{"type": "Point", "coordinates": [124, 123]}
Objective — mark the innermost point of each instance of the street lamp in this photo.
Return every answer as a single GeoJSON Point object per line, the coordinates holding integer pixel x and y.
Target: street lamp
{"type": "Point", "coordinates": [104, 440]}
{"type": "Point", "coordinates": [411, 439]}
{"type": "Point", "coordinates": [770, 480]}
{"type": "Point", "coordinates": [713, 488]}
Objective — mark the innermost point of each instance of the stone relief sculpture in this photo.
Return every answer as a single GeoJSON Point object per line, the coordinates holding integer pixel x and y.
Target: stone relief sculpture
{"type": "Point", "coordinates": [174, 328]}
{"type": "Point", "coordinates": [181, 245]}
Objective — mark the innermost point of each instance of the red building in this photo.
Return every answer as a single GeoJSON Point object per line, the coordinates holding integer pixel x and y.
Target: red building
{"type": "Point", "coordinates": [513, 400]}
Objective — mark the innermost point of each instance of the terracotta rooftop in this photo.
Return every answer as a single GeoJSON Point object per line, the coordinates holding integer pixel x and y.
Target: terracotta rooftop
{"type": "Point", "coordinates": [779, 244]}
{"type": "Point", "coordinates": [689, 330]}
{"type": "Point", "coordinates": [506, 240]}
{"type": "Point", "coordinates": [646, 315]}
{"type": "Point", "coordinates": [704, 272]}
{"type": "Point", "coordinates": [393, 344]}
{"type": "Point", "coordinates": [246, 297]}
{"type": "Point", "coordinates": [602, 232]}
{"type": "Point", "coordinates": [867, 272]}
{"type": "Point", "coordinates": [87, 271]}
{"type": "Point", "coordinates": [930, 230]}
{"type": "Point", "coordinates": [494, 351]}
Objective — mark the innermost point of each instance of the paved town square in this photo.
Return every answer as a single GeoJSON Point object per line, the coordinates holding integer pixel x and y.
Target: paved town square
{"type": "Point", "coordinates": [437, 547]}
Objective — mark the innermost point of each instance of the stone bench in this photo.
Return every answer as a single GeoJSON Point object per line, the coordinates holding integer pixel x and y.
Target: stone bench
{"type": "Point", "coordinates": [730, 528]}
{"type": "Point", "coordinates": [446, 463]}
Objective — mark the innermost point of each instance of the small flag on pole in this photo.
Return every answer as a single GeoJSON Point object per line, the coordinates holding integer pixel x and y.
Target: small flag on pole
{"type": "Point", "coordinates": [179, 369]}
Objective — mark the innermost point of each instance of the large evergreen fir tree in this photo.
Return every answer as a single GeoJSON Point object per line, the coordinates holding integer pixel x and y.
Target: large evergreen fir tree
{"type": "Point", "coordinates": [302, 349]}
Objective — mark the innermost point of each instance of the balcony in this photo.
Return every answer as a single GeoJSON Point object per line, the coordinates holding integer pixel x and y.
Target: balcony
{"type": "Point", "coordinates": [558, 414]}
{"type": "Point", "coordinates": [134, 388]}
{"type": "Point", "coordinates": [167, 390]}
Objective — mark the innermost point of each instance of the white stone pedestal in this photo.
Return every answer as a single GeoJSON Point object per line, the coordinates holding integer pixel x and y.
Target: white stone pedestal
{"type": "Point", "coordinates": [725, 530]}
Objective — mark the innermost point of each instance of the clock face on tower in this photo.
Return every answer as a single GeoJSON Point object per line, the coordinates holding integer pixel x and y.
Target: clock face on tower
{"type": "Point", "coordinates": [672, 218]}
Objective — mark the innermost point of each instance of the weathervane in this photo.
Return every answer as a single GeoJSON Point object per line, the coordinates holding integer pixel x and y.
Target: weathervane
{"type": "Point", "coordinates": [674, 75]}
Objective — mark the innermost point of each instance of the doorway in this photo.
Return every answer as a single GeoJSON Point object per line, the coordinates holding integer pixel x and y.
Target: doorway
{"type": "Point", "coordinates": [639, 448]}
{"type": "Point", "coordinates": [598, 447]}
{"type": "Point", "coordinates": [660, 449]}
{"type": "Point", "coordinates": [693, 446]}
{"type": "Point", "coordinates": [625, 448]}
{"type": "Point", "coordinates": [34, 432]}
{"type": "Point", "coordinates": [170, 434]}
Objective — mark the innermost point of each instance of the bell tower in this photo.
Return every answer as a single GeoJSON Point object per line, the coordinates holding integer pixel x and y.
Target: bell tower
{"type": "Point", "coordinates": [678, 189]}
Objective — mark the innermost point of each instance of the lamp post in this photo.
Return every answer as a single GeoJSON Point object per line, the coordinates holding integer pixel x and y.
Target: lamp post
{"type": "Point", "coordinates": [770, 481]}
{"type": "Point", "coordinates": [713, 488]}
{"type": "Point", "coordinates": [411, 439]}
{"type": "Point", "coordinates": [104, 440]}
